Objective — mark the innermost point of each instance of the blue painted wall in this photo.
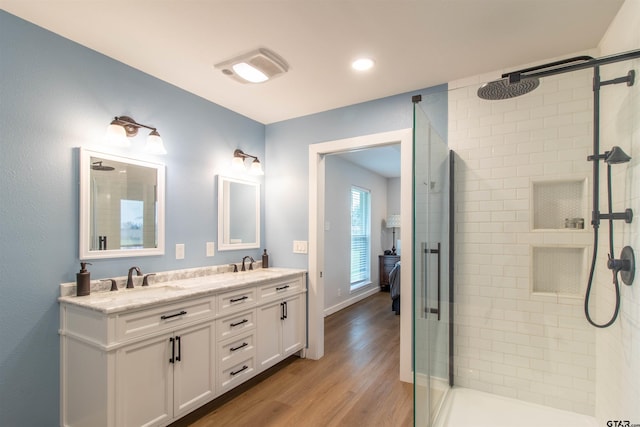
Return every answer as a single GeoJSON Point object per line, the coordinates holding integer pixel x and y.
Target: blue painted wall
{"type": "Point", "coordinates": [55, 96]}
{"type": "Point", "coordinates": [287, 154]}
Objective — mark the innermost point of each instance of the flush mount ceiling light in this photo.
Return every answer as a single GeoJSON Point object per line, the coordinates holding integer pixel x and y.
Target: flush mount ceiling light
{"type": "Point", "coordinates": [254, 67]}
{"type": "Point", "coordinates": [362, 64]}
{"type": "Point", "coordinates": [238, 163]}
{"type": "Point", "coordinates": [124, 127]}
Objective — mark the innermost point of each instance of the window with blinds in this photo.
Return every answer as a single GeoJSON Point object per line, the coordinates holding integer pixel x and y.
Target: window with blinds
{"type": "Point", "coordinates": [360, 237]}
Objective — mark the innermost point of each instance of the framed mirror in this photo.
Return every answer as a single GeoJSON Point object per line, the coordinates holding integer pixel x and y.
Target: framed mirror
{"type": "Point", "coordinates": [238, 214]}
{"type": "Point", "coordinates": [121, 206]}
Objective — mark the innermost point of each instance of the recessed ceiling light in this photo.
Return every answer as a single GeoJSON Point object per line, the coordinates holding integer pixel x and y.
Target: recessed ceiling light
{"type": "Point", "coordinates": [362, 64]}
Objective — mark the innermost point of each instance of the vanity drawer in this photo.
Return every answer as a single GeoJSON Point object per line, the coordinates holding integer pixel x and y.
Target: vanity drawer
{"type": "Point", "coordinates": [233, 325]}
{"type": "Point", "coordinates": [279, 289]}
{"type": "Point", "coordinates": [165, 317]}
{"type": "Point", "coordinates": [236, 373]}
{"type": "Point", "coordinates": [236, 349]}
{"type": "Point", "coordinates": [235, 300]}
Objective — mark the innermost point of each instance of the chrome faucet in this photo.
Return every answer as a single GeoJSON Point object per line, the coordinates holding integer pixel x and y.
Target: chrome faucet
{"type": "Point", "coordinates": [250, 264]}
{"type": "Point", "coordinates": [130, 278]}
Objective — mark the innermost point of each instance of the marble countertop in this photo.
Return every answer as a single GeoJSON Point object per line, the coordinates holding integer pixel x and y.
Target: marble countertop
{"type": "Point", "coordinates": [126, 299]}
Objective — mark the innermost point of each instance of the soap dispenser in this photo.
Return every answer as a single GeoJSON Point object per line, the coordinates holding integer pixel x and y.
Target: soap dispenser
{"type": "Point", "coordinates": [265, 259]}
{"type": "Point", "coordinates": [83, 280]}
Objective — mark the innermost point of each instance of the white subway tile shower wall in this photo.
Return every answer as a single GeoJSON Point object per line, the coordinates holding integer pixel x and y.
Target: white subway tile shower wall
{"type": "Point", "coordinates": [618, 347]}
{"type": "Point", "coordinates": [510, 341]}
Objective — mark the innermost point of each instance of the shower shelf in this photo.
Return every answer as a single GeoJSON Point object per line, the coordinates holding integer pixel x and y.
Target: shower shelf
{"type": "Point", "coordinates": [559, 205]}
{"type": "Point", "coordinates": [558, 270]}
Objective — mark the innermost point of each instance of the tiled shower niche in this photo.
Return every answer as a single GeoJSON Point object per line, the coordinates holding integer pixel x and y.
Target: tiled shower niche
{"type": "Point", "coordinates": [558, 270]}
{"type": "Point", "coordinates": [559, 204]}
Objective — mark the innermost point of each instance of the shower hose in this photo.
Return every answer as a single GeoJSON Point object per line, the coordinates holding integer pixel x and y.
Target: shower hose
{"type": "Point", "coordinates": [593, 263]}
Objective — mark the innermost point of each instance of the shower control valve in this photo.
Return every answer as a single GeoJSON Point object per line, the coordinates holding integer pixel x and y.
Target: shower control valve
{"type": "Point", "coordinates": [625, 265]}
{"type": "Point", "coordinates": [618, 264]}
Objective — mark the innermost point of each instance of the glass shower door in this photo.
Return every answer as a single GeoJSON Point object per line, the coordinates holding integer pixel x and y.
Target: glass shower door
{"type": "Point", "coordinates": [431, 311]}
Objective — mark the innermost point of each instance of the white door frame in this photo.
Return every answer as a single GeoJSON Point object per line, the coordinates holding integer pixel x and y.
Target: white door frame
{"type": "Point", "coordinates": [317, 153]}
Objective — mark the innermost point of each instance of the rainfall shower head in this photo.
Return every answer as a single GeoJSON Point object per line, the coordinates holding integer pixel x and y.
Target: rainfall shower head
{"type": "Point", "coordinates": [97, 166]}
{"type": "Point", "coordinates": [503, 89]}
{"type": "Point", "coordinates": [615, 156]}
{"type": "Point", "coordinates": [523, 81]}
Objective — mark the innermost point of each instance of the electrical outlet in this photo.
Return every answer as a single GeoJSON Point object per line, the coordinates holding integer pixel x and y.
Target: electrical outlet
{"type": "Point", "coordinates": [179, 250]}
{"type": "Point", "coordinates": [339, 292]}
{"type": "Point", "coordinates": [211, 249]}
{"type": "Point", "coordinates": [299, 246]}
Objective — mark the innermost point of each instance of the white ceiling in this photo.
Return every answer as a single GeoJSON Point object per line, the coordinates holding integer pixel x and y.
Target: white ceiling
{"type": "Point", "coordinates": [384, 161]}
{"type": "Point", "coordinates": [415, 43]}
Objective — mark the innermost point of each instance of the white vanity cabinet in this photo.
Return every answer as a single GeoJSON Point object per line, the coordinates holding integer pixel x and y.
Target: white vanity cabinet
{"type": "Point", "coordinates": [281, 321]}
{"type": "Point", "coordinates": [236, 349]}
{"type": "Point", "coordinates": [141, 367]}
{"type": "Point", "coordinates": [163, 378]}
{"type": "Point", "coordinates": [149, 357]}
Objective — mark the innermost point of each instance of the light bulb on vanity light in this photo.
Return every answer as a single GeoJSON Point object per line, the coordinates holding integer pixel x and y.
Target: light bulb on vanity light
{"type": "Point", "coordinates": [154, 144]}
{"type": "Point", "coordinates": [256, 168]}
{"type": "Point", "coordinates": [116, 135]}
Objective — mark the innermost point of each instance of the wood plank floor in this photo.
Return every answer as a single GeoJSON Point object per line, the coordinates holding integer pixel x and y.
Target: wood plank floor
{"type": "Point", "coordinates": [355, 383]}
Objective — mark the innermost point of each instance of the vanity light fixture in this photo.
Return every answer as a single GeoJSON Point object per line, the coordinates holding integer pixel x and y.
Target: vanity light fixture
{"type": "Point", "coordinates": [123, 127]}
{"type": "Point", "coordinates": [257, 66]}
{"type": "Point", "coordinates": [238, 162]}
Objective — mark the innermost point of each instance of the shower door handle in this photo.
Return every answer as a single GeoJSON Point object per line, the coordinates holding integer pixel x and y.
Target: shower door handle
{"type": "Point", "coordinates": [434, 310]}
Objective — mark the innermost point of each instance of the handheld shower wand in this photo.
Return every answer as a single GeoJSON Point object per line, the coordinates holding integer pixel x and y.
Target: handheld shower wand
{"type": "Point", "coordinates": [625, 266]}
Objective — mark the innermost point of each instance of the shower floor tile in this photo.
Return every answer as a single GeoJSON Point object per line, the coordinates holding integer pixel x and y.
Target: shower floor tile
{"type": "Point", "coordinates": [471, 408]}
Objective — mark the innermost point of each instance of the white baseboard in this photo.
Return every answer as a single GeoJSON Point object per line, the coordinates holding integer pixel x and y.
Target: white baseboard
{"type": "Point", "coordinates": [352, 300]}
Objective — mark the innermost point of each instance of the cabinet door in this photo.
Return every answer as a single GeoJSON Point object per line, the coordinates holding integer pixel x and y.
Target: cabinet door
{"type": "Point", "coordinates": [293, 330]}
{"type": "Point", "coordinates": [194, 368]}
{"type": "Point", "coordinates": [269, 335]}
{"type": "Point", "coordinates": [144, 383]}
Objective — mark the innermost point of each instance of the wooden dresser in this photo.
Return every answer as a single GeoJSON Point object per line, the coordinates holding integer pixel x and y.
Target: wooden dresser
{"type": "Point", "coordinates": [386, 265]}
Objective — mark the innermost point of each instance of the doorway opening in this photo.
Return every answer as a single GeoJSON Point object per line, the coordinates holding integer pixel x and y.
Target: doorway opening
{"type": "Point", "coordinates": [317, 157]}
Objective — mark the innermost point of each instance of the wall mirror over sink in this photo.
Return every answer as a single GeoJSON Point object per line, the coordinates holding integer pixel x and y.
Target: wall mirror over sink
{"type": "Point", "coordinates": [238, 214]}
{"type": "Point", "coordinates": [121, 206]}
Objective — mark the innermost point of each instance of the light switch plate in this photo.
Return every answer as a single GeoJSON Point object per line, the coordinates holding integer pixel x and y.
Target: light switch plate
{"type": "Point", "coordinates": [299, 246]}
{"type": "Point", "coordinates": [211, 249]}
{"type": "Point", "coordinates": [179, 250]}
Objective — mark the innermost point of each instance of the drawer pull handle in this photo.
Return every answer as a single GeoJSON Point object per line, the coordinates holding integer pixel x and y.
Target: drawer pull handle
{"type": "Point", "coordinates": [233, 325]}
{"type": "Point", "coordinates": [179, 349]}
{"type": "Point", "coordinates": [282, 287]}
{"type": "Point", "coordinates": [244, 344]}
{"type": "Point", "coordinates": [173, 350]}
{"type": "Point", "coordinates": [239, 299]}
{"type": "Point", "coordinates": [244, 368]}
{"type": "Point", "coordinates": [165, 317]}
